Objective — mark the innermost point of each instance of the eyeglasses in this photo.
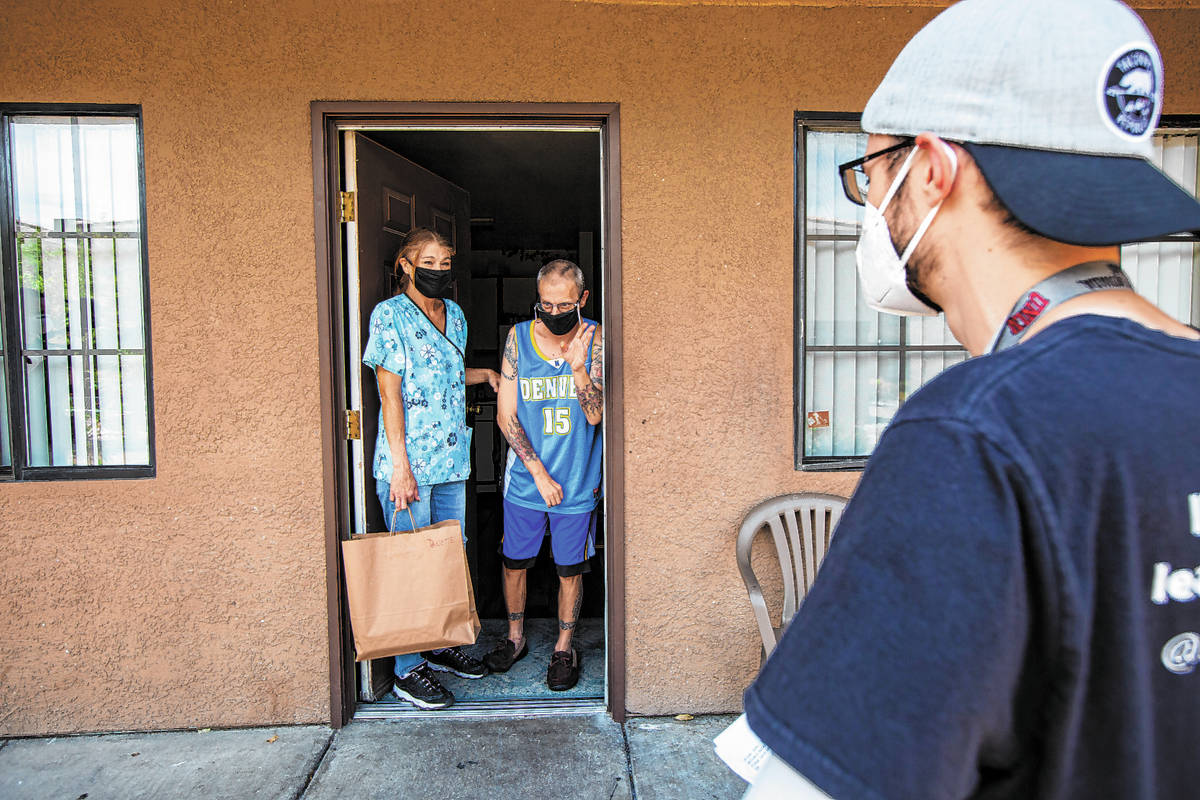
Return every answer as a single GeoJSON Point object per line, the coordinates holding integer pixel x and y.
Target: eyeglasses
{"type": "Point", "coordinates": [854, 178]}
{"type": "Point", "coordinates": [556, 308]}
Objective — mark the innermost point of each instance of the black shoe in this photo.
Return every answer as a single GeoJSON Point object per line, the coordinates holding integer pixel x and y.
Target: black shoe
{"type": "Point", "coordinates": [422, 689]}
{"type": "Point", "coordinates": [504, 655]}
{"type": "Point", "coordinates": [563, 673]}
{"type": "Point", "coordinates": [455, 660]}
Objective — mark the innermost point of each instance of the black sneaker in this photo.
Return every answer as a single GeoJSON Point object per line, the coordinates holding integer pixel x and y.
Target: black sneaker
{"type": "Point", "coordinates": [422, 689]}
{"type": "Point", "coordinates": [504, 655]}
{"type": "Point", "coordinates": [563, 673]}
{"type": "Point", "coordinates": [455, 660]}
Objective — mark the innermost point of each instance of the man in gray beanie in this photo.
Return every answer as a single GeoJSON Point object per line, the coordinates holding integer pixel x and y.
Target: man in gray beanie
{"type": "Point", "coordinates": [1007, 610]}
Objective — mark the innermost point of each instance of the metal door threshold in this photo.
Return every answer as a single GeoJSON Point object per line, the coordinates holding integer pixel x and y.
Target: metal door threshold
{"type": "Point", "coordinates": [483, 709]}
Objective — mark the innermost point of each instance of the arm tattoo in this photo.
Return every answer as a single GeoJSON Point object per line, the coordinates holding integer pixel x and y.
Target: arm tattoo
{"type": "Point", "coordinates": [591, 399]}
{"type": "Point", "coordinates": [597, 373]}
{"type": "Point", "coordinates": [591, 396]}
{"type": "Point", "coordinates": [510, 357]}
{"type": "Point", "coordinates": [518, 440]}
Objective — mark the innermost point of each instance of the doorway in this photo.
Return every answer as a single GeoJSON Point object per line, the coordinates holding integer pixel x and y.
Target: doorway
{"type": "Point", "coordinates": [510, 194]}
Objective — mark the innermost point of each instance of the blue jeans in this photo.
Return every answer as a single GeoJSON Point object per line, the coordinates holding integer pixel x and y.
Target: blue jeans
{"type": "Point", "coordinates": [439, 501]}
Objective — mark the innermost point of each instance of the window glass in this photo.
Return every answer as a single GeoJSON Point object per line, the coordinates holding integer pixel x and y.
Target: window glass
{"type": "Point", "coordinates": [1168, 272]}
{"type": "Point", "coordinates": [859, 364]}
{"type": "Point", "coordinates": [81, 304]}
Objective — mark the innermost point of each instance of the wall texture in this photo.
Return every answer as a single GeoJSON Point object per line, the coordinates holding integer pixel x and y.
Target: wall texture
{"type": "Point", "coordinates": [198, 598]}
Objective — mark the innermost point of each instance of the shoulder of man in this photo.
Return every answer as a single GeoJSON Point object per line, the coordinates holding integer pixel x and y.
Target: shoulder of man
{"type": "Point", "coordinates": [1016, 397]}
{"type": "Point", "coordinates": [597, 335]}
{"type": "Point", "coordinates": [973, 388]}
{"type": "Point", "coordinates": [1052, 363]}
{"type": "Point", "coordinates": [954, 393]}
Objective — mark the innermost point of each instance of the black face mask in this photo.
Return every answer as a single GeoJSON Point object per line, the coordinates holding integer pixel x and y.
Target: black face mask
{"type": "Point", "coordinates": [558, 324]}
{"type": "Point", "coordinates": [432, 282]}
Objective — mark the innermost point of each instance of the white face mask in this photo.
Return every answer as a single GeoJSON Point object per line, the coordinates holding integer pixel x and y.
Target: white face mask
{"type": "Point", "coordinates": [880, 269]}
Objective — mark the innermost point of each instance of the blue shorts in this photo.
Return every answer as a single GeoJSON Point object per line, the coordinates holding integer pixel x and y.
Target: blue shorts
{"type": "Point", "coordinates": [572, 538]}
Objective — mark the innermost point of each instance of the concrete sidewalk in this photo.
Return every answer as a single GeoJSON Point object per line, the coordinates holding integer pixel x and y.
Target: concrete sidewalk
{"type": "Point", "coordinates": [585, 757]}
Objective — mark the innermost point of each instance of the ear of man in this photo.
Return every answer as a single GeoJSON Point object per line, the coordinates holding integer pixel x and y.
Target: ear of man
{"type": "Point", "coordinates": [940, 175]}
{"type": "Point", "coordinates": [935, 170]}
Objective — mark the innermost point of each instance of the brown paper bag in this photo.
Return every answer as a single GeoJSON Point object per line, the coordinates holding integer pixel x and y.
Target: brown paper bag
{"type": "Point", "coordinates": [409, 591]}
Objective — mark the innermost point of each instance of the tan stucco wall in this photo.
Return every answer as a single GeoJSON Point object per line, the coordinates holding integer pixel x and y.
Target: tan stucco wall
{"type": "Point", "coordinates": [198, 598]}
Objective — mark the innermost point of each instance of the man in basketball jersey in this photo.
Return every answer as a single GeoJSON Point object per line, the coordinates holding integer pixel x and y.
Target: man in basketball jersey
{"type": "Point", "coordinates": [550, 406]}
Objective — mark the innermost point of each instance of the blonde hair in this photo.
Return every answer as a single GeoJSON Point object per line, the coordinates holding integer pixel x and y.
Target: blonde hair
{"type": "Point", "coordinates": [414, 242]}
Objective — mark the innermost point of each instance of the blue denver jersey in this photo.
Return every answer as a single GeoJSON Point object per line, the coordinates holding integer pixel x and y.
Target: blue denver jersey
{"type": "Point", "coordinates": [567, 444]}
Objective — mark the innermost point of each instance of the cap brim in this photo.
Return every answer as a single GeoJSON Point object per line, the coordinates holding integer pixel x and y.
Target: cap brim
{"type": "Point", "coordinates": [1087, 199]}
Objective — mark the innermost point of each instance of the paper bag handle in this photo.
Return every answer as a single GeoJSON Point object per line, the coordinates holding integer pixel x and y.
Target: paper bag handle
{"type": "Point", "coordinates": [395, 511]}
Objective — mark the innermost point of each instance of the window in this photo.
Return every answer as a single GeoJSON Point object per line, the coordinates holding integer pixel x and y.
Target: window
{"type": "Point", "coordinates": [855, 366]}
{"type": "Point", "coordinates": [75, 350]}
{"type": "Point", "coordinates": [1167, 271]}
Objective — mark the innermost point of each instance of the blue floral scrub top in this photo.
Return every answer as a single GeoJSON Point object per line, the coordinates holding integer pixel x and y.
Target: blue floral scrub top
{"type": "Point", "coordinates": [434, 387]}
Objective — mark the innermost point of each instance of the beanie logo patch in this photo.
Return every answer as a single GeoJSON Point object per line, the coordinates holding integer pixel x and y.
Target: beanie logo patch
{"type": "Point", "coordinates": [1131, 91]}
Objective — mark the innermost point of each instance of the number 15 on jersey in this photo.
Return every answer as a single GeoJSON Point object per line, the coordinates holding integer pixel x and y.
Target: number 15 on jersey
{"type": "Point", "coordinates": [556, 421]}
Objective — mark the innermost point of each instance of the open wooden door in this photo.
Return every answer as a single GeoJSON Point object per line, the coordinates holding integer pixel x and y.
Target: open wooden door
{"type": "Point", "coordinates": [384, 197]}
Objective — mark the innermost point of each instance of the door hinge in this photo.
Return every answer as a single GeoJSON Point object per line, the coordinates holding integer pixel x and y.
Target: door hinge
{"type": "Point", "coordinates": [353, 429]}
{"type": "Point", "coordinates": [348, 207]}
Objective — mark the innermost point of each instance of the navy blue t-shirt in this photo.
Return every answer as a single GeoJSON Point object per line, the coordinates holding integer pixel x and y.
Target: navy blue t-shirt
{"type": "Point", "coordinates": [1008, 606]}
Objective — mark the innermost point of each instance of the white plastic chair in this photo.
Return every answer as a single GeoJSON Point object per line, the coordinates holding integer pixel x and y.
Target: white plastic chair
{"type": "Point", "coordinates": [801, 525]}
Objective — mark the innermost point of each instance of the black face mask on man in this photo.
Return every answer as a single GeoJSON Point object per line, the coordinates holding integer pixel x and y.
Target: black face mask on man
{"type": "Point", "coordinates": [431, 282]}
{"type": "Point", "coordinates": [558, 324]}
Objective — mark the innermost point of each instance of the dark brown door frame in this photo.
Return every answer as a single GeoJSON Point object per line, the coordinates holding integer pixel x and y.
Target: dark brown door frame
{"type": "Point", "coordinates": [326, 117]}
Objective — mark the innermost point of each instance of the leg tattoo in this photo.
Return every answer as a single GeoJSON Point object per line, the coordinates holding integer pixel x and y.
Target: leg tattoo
{"type": "Point", "coordinates": [514, 598]}
{"type": "Point", "coordinates": [569, 625]}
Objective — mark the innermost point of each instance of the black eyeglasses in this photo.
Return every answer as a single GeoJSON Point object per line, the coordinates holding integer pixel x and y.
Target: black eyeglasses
{"type": "Point", "coordinates": [854, 178]}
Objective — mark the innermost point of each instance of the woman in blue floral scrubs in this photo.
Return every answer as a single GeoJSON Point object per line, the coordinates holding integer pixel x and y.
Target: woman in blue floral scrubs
{"type": "Point", "coordinates": [423, 452]}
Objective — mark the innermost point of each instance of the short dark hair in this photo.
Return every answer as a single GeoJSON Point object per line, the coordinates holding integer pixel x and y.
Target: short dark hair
{"type": "Point", "coordinates": [993, 203]}
{"type": "Point", "coordinates": [1007, 218]}
{"type": "Point", "coordinates": [894, 157]}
